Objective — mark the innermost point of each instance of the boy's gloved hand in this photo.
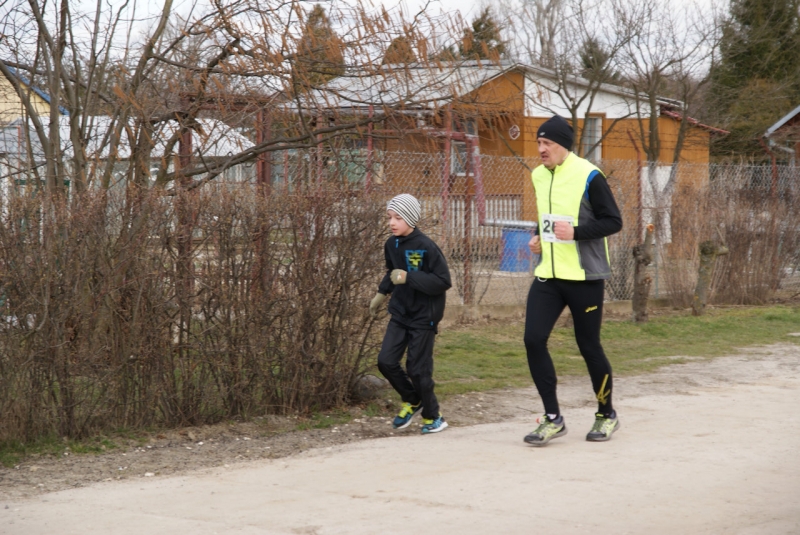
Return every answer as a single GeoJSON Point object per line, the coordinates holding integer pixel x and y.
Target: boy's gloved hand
{"type": "Point", "coordinates": [376, 303]}
{"type": "Point", "coordinates": [398, 276]}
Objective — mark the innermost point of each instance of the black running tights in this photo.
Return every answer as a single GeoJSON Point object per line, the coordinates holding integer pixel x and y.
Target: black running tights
{"type": "Point", "coordinates": [546, 300]}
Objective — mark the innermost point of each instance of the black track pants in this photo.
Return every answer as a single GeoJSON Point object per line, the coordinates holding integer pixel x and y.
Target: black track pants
{"type": "Point", "coordinates": [546, 300]}
{"type": "Point", "coordinates": [416, 385]}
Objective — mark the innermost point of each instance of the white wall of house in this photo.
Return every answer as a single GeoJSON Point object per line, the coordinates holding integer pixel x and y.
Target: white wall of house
{"type": "Point", "coordinates": [543, 100]}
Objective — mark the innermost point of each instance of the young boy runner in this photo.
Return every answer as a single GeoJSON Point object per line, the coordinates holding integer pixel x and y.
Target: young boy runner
{"type": "Point", "coordinates": [417, 276]}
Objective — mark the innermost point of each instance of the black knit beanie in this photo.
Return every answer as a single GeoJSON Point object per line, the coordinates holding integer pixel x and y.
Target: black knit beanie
{"type": "Point", "coordinates": [558, 130]}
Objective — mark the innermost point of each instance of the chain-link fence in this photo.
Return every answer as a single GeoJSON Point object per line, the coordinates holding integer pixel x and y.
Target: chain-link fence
{"type": "Point", "coordinates": [476, 210]}
{"type": "Point", "coordinates": [134, 307]}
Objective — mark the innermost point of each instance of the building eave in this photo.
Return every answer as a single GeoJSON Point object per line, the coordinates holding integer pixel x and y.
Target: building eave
{"type": "Point", "coordinates": [39, 92]}
{"type": "Point", "coordinates": [782, 122]}
{"type": "Point", "coordinates": [694, 122]}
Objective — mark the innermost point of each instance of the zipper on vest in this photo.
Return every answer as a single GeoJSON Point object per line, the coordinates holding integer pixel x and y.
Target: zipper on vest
{"type": "Point", "coordinates": [397, 243]}
{"type": "Point", "coordinates": [550, 201]}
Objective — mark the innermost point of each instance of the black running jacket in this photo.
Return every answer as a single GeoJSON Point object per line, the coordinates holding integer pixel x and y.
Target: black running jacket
{"type": "Point", "coordinates": [419, 303]}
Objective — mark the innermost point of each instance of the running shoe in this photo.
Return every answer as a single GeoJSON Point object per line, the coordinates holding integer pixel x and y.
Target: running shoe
{"type": "Point", "coordinates": [433, 426]}
{"type": "Point", "coordinates": [547, 431]}
{"type": "Point", "coordinates": [604, 426]}
{"type": "Point", "coordinates": [406, 414]}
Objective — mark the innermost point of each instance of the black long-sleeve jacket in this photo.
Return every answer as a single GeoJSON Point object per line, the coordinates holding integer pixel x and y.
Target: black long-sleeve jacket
{"type": "Point", "coordinates": [420, 302]}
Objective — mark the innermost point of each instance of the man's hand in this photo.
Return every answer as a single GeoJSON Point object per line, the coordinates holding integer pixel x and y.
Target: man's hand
{"type": "Point", "coordinates": [398, 276]}
{"type": "Point", "coordinates": [376, 303]}
{"type": "Point", "coordinates": [563, 230]}
{"type": "Point", "coordinates": [535, 245]}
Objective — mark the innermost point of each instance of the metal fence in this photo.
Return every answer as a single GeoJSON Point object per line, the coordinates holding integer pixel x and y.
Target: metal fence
{"type": "Point", "coordinates": [476, 210]}
{"type": "Point", "coordinates": [476, 215]}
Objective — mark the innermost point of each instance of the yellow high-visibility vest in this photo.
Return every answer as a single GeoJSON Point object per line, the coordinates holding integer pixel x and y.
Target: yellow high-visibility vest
{"type": "Point", "coordinates": [563, 194]}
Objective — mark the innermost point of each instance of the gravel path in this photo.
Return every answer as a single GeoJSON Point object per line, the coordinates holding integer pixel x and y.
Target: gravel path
{"type": "Point", "coordinates": [705, 447]}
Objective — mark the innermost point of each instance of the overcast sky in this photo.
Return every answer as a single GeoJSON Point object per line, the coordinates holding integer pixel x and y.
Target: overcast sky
{"type": "Point", "coordinates": [147, 11]}
{"type": "Point", "coordinates": [467, 8]}
{"type": "Point", "coordinates": [470, 8]}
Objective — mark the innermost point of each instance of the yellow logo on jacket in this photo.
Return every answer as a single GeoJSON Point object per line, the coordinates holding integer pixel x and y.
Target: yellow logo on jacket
{"type": "Point", "coordinates": [414, 260]}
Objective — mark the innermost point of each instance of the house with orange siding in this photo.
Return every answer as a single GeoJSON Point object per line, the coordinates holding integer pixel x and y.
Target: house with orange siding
{"type": "Point", "coordinates": [478, 116]}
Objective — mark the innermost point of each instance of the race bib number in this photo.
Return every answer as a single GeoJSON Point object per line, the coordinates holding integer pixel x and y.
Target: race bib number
{"type": "Point", "coordinates": [548, 227]}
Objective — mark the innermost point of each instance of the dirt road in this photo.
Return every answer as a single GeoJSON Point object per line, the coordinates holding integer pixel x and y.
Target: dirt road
{"type": "Point", "coordinates": [704, 448]}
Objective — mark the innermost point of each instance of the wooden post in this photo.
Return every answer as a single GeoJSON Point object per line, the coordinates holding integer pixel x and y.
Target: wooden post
{"type": "Point", "coordinates": [640, 214]}
{"type": "Point", "coordinates": [368, 182]}
{"type": "Point", "coordinates": [263, 167]}
{"type": "Point", "coordinates": [318, 125]}
{"type": "Point", "coordinates": [643, 256]}
{"type": "Point", "coordinates": [263, 187]}
{"type": "Point", "coordinates": [709, 251]}
{"type": "Point", "coordinates": [184, 264]}
{"type": "Point", "coordinates": [446, 168]}
{"type": "Point", "coordinates": [468, 195]}
{"type": "Point", "coordinates": [286, 168]}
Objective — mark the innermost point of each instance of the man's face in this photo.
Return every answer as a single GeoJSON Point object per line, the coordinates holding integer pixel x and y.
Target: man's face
{"type": "Point", "coordinates": [552, 153]}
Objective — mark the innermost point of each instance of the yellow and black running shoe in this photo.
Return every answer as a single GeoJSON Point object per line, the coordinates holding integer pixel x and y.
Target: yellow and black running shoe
{"type": "Point", "coordinates": [604, 426]}
{"type": "Point", "coordinates": [406, 414]}
{"type": "Point", "coordinates": [548, 430]}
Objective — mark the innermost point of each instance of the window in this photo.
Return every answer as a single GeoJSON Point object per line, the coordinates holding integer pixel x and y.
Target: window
{"type": "Point", "coordinates": [458, 158]}
{"type": "Point", "coordinates": [592, 148]}
{"type": "Point", "coordinates": [458, 149]}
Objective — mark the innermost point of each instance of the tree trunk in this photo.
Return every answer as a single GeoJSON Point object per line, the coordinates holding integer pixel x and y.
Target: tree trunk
{"type": "Point", "coordinates": [709, 251]}
{"type": "Point", "coordinates": [643, 256]}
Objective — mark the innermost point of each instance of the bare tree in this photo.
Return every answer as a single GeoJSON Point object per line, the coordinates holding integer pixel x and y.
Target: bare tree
{"type": "Point", "coordinates": [133, 274]}
{"type": "Point", "coordinates": [233, 62]}
{"type": "Point", "coordinates": [536, 25]}
{"type": "Point", "coordinates": [669, 56]}
{"type": "Point", "coordinates": [400, 52]}
{"type": "Point", "coordinates": [579, 43]}
{"type": "Point", "coordinates": [666, 67]}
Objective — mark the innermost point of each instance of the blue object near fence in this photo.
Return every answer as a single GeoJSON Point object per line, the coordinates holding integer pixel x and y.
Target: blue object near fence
{"type": "Point", "coordinates": [516, 254]}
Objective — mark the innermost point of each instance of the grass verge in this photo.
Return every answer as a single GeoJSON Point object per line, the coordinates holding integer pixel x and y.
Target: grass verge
{"type": "Point", "coordinates": [11, 452]}
{"type": "Point", "coordinates": [483, 357]}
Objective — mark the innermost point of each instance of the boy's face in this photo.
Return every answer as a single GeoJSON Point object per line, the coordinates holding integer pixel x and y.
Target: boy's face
{"type": "Point", "coordinates": [398, 225]}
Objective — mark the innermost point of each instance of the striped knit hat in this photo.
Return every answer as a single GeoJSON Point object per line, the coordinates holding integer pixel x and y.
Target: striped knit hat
{"type": "Point", "coordinates": [406, 206]}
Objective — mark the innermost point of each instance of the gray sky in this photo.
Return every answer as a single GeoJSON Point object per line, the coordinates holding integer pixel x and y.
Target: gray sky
{"type": "Point", "coordinates": [467, 8]}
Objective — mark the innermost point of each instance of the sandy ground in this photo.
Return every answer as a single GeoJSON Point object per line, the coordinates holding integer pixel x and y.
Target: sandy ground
{"type": "Point", "coordinates": [706, 447]}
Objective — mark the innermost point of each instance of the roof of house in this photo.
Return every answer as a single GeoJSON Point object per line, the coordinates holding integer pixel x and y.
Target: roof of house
{"type": "Point", "coordinates": [542, 72]}
{"type": "Point", "coordinates": [415, 86]}
{"type": "Point", "coordinates": [693, 122]}
{"type": "Point", "coordinates": [35, 89]}
{"type": "Point", "coordinates": [429, 85]}
{"type": "Point", "coordinates": [212, 139]}
{"type": "Point", "coordinates": [782, 122]}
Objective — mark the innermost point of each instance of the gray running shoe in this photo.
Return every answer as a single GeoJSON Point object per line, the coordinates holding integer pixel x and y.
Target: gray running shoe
{"type": "Point", "coordinates": [546, 431]}
{"type": "Point", "coordinates": [604, 426]}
